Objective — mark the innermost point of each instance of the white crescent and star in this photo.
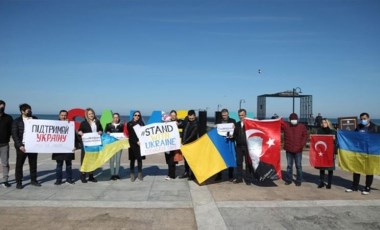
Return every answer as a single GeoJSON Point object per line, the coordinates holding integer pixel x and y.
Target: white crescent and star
{"type": "Point", "coordinates": [249, 132]}
{"type": "Point", "coordinates": [320, 143]}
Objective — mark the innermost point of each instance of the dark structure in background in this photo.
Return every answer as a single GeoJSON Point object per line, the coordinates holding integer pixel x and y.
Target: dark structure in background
{"type": "Point", "coordinates": [306, 104]}
{"type": "Point", "coordinates": [202, 122]}
{"type": "Point", "coordinates": [218, 116]}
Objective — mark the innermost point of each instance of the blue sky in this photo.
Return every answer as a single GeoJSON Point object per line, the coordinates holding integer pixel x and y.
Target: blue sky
{"type": "Point", "coordinates": [177, 54]}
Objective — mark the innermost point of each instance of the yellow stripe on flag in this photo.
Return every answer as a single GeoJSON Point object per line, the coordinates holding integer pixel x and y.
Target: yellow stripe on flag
{"type": "Point", "coordinates": [94, 160]}
{"type": "Point", "coordinates": [203, 158]}
{"type": "Point", "coordinates": [359, 162]}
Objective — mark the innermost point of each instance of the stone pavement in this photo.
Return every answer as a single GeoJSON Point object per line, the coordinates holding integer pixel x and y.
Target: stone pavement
{"type": "Point", "coordinates": [180, 204]}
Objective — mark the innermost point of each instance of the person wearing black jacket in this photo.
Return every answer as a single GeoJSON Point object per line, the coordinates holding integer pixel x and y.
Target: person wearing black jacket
{"type": "Point", "coordinates": [190, 134]}
{"type": "Point", "coordinates": [242, 150]}
{"type": "Point", "coordinates": [18, 135]}
{"type": "Point", "coordinates": [365, 126]}
{"type": "Point", "coordinates": [134, 148]}
{"type": "Point", "coordinates": [5, 135]}
{"type": "Point", "coordinates": [115, 127]}
{"type": "Point", "coordinates": [65, 157]}
{"type": "Point", "coordinates": [226, 119]}
{"type": "Point", "coordinates": [90, 125]}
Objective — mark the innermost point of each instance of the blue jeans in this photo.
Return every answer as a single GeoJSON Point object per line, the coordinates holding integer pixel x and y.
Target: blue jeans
{"type": "Point", "coordinates": [69, 172]}
{"type": "Point", "coordinates": [291, 157]}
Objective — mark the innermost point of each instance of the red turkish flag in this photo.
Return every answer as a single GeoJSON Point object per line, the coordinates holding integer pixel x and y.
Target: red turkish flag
{"type": "Point", "coordinates": [321, 150]}
{"type": "Point", "coordinates": [264, 147]}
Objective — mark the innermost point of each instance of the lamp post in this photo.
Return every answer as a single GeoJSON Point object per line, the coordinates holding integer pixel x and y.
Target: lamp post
{"type": "Point", "coordinates": [295, 91]}
{"type": "Point", "coordinates": [241, 101]}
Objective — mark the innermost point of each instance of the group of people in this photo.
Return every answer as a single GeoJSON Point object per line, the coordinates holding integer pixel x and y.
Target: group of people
{"type": "Point", "coordinates": [295, 138]}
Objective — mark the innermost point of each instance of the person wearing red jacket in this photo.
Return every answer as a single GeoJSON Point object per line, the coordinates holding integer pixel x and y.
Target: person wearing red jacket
{"type": "Point", "coordinates": [295, 137]}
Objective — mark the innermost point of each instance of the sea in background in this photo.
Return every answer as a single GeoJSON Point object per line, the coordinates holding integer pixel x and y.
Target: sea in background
{"type": "Point", "coordinates": [125, 118]}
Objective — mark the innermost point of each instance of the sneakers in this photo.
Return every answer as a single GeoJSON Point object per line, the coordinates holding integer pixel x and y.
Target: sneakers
{"type": "Point", "coordinates": [6, 184]}
{"type": "Point", "coordinates": [58, 182]}
{"type": "Point", "coordinates": [69, 181]}
{"type": "Point", "coordinates": [288, 182]}
{"type": "Point", "coordinates": [133, 177]}
{"type": "Point", "coordinates": [298, 184]}
{"type": "Point", "coordinates": [140, 176]}
{"type": "Point", "coordinates": [237, 181]}
{"type": "Point", "coordinates": [366, 191]}
{"type": "Point", "coordinates": [167, 178]}
{"type": "Point", "coordinates": [351, 190]}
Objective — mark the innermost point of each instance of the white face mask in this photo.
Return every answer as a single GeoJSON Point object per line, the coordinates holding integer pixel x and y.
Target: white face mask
{"type": "Point", "coordinates": [293, 122]}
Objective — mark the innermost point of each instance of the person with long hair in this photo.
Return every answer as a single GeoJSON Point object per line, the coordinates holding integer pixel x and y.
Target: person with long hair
{"type": "Point", "coordinates": [326, 129]}
{"type": "Point", "coordinates": [134, 149]}
{"type": "Point", "coordinates": [90, 125]}
{"type": "Point", "coordinates": [115, 127]}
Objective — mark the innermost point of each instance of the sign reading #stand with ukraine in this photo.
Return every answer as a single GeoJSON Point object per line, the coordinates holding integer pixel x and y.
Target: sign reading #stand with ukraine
{"type": "Point", "coordinates": [158, 138]}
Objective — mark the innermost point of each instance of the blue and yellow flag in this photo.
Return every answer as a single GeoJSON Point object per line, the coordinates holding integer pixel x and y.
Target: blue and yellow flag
{"type": "Point", "coordinates": [209, 155]}
{"type": "Point", "coordinates": [96, 156]}
{"type": "Point", "coordinates": [359, 152]}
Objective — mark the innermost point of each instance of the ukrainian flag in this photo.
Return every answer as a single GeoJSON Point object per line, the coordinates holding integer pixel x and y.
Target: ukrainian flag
{"type": "Point", "coordinates": [96, 156]}
{"type": "Point", "coordinates": [359, 152]}
{"type": "Point", "coordinates": [209, 155]}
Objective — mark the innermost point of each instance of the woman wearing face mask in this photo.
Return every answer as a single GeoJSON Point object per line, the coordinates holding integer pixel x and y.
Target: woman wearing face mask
{"type": "Point", "coordinates": [134, 149]}
{"type": "Point", "coordinates": [295, 137]}
{"type": "Point", "coordinates": [365, 126]}
{"type": "Point", "coordinates": [326, 129]}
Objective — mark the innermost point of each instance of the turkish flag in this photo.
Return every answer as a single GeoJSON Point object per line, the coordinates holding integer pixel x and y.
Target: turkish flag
{"type": "Point", "coordinates": [322, 150]}
{"type": "Point", "coordinates": [264, 147]}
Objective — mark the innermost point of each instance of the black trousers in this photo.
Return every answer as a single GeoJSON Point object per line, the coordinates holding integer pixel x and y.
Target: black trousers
{"type": "Point", "coordinates": [20, 160]}
{"type": "Point", "coordinates": [356, 180]}
{"type": "Point", "coordinates": [171, 164]}
{"type": "Point", "coordinates": [322, 176]}
{"type": "Point", "coordinates": [241, 154]}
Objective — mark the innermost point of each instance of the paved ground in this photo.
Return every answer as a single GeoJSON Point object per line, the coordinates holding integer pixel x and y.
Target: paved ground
{"type": "Point", "coordinates": [179, 204]}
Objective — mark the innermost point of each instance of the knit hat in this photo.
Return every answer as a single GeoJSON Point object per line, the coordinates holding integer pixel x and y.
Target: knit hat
{"type": "Point", "coordinates": [293, 116]}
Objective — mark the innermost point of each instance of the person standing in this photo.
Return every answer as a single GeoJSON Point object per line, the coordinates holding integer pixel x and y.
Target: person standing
{"type": "Point", "coordinates": [134, 149]}
{"type": "Point", "coordinates": [169, 156]}
{"type": "Point", "coordinates": [90, 125]}
{"type": "Point", "coordinates": [66, 158]}
{"type": "Point", "coordinates": [5, 135]}
{"type": "Point", "coordinates": [115, 127]}
{"type": "Point", "coordinates": [368, 127]}
{"type": "Point", "coordinates": [295, 137]}
{"type": "Point", "coordinates": [226, 119]}
{"type": "Point", "coordinates": [318, 120]}
{"type": "Point", "coordinates": [18, 133]}
{"type": "Point", "coordinates": [190, 134]}
{"type": "Point", "coordinates": [326, 129]}
{"type": "Point", "coordinates": [242, 151]}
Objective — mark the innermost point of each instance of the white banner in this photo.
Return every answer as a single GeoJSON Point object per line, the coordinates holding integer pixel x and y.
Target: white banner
{"type": "Point", "coordinates": [49, 136]}
{"type": "Point", "coordinates": [119, 136]}
{"type": "Point", "coordinates": [225, 128]}
{"type": "Point", "coordinates": [158, 138]}
{"type": "Point", "coordinates": [91, 139]}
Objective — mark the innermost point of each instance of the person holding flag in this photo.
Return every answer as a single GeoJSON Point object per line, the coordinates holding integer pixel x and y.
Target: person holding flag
{"type": "Point", "coordinates": [326, 129]}
{"type": "Point", "coordinates": [90, 125]}
{"type": "Point", "coordinates": [115, 127]}
{"type": "Point", "coordinates": [365, 126]}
